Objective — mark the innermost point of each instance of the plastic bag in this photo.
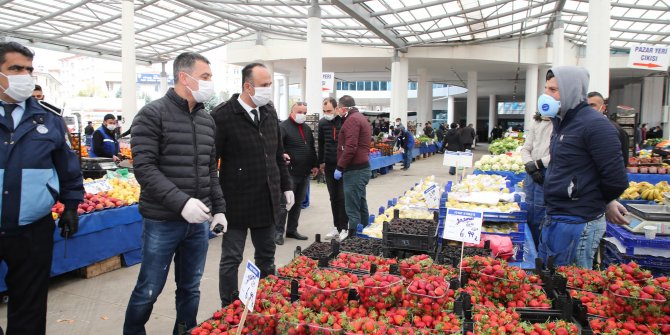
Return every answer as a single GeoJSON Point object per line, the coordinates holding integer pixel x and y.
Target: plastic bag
{"type": "Point", "coordinates": [501, 246]}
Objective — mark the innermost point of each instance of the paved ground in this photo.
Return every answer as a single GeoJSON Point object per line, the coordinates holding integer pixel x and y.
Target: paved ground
{"type": "Point", "coordinates": [97, 305]}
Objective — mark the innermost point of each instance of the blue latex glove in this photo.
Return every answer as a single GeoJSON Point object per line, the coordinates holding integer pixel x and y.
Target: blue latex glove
{"type": "Point", "coordinates": [337, 175]}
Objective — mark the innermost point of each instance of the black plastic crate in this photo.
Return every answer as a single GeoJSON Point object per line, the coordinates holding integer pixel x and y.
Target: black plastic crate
{"type": "Point", "coordinates": [400, 241]}
{"type": "Point", "coordinates": [333, 249]}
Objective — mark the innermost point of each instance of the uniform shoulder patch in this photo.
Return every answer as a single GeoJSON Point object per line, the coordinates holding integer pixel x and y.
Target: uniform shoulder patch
{"type": "Point", "coordinates": [51, 108]}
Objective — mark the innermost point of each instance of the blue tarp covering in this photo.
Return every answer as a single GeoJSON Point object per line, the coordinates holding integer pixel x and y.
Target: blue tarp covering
{"type": "Point", "coordinates": [101, 235]}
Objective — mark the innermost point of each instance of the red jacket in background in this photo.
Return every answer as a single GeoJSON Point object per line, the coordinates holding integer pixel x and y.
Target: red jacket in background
{"type": "Point", "coordinates": [353, 143]}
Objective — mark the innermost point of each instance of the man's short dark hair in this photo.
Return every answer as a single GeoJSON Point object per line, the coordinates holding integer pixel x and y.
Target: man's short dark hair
{"type": "Point", "coordinates": [90, 122]}
{"type": "Point", "coordinates": [109, 117]}
{"type": "Point", "coordinates": [595, 94]}
{"type": "Point", "coordinates": [347, 101]}
{"type": "Point", "coordinates": [454, 125]}
{"type": "Point", "coordinates": [331, 100]}
{"type": "Point", "coordinates": [7, 47]}
{"type": "Point", "coordinates": [246, 72]}
{"type": "Point", "coordinates": [37, 88]}
{"type": "Point", "coordinates": [184, 63]}
{"type": "Point", "coordinates": [550, 74]}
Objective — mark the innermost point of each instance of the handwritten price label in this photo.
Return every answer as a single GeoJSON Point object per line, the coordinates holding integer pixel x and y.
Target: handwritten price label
{"type": "Point", "coordinates": [462, 225]}
{"type": "Point", "coordinates": [97, 186]}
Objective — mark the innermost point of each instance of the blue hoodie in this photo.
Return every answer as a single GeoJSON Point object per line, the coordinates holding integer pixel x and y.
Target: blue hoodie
{"type": "Point", "coordinates": [585, 172]}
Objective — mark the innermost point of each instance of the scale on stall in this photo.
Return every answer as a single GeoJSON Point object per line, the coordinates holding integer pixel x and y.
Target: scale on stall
{"type": "Point", "coordinates": [96, 167]}
{"type": "Point", "coordinates": [641, 215]}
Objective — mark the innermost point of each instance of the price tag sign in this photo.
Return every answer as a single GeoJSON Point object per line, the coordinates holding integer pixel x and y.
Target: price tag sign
{"type": "Point", "coordinates": [462, 225]}
{"type": "Point", "coordinates": [252, 275]}
{"type": "Point", "coordinates": [432, 195]}
{"type": "Point", "coordinates": [97, 186]}
{"type": "Point", "coordinates": [458, 159]}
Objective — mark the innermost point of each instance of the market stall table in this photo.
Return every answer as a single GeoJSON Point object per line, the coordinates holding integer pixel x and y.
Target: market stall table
{"type": "Point", "coordinates": [648, 177]}
{"type": "Point", "coordinates": [101, 235]}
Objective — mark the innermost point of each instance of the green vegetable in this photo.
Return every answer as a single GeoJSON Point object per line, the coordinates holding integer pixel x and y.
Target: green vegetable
{"type": "Point", "coordinates": [503, 145]}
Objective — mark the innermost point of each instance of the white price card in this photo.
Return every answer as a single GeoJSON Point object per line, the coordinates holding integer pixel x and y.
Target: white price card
{"type": "Point", "coordinates": [432, 195]}
{"type": "Point", "coordinates": [458, 159]}
{"type": "Point", "coordinates": [462, 225]}
{"type": "Point", "coordinates": [252, 275]}
{"type": "Point", "coordinates": [97, 186]}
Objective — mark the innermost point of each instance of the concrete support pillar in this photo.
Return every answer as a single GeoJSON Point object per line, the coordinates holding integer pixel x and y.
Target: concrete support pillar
{"type": "Point", "coordinates": [493, 113]}
{"type": "Point", "coordinates": [559, 41]}
{"type": "Point", "coordinates": [164, 79]}
{"type": "Point", "coordinates": [314, 60]}
{"type": "Point", "coordinates": [284, 98]}
{"type": "Point", "coordinates": [128, 75]}
{"type": "Point", "coordinates": [424, 98]}
{"type": "Point", "coordinates": [598, 46]}
{"type": "Point", "coordinates": [450, 109]}
{"type": "Point", "coordinates": [531, 93]}
{"type": "Point", "coordinates": [270, 66]}
{"type": "Point", "coordinates": [399, 77]}
{"type": "Point", "coordinates": [471, 116]}
{"type": "Point", "coordinates": [303, 84]}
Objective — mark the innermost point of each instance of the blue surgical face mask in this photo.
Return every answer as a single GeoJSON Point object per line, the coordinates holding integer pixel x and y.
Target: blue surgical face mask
{"type": "Point", "coordinates": [548, 106]}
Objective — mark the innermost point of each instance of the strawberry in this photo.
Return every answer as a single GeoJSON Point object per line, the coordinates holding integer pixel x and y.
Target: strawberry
{"type": "Point", "coordinates": [583, 279]}
{"type": "Point", "coordinates": [414, 265]}
{"type": "Point", "coordinates": [350, 261]}
{"type": "Point", "coordinates": [380, 290]}
{"type": "Point", "coordinates": [299, 267]}
{"type": "Point", "coordinates": [326, 290]}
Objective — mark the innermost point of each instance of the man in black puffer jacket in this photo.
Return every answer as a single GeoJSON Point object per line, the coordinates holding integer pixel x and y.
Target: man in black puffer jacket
{"type": "Point", "coordinates": [298, 141]}
{"type": "Point", "coordinates": [173, 145]}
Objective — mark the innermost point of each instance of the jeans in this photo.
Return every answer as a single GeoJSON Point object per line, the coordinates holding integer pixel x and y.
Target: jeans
{"type": "Point", "coordinates": [299, 192]}
{"type": "Point", "coordinates": [407, 158]}
{"type": "Point", "coordinates": [336, 192]}
{"type": "Point", "coordinates": [559, 239]}
{"type": "Point", "coordinates": [589, 242]}
{"type": "Point", "coordinates": [536, 208]}
{"type": "Point", "coordinates": [355, 202]}
{"type": "Point", "coordinates": [161, 241]}
{"type": "Point", "coordinates": [232, 249]}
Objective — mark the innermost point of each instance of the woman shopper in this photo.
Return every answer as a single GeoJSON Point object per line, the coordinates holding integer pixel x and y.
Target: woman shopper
{"type": "Point", "coordinates": [535, 154]}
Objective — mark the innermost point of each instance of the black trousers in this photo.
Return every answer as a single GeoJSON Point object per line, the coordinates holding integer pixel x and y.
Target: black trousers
{"type": "Point", "coordinates": [28, 252]}
{"type": "Point", "coordinates": [232, 249]}
{"type": "Point", "coordinates": [299, 192]}
{"type": "Point", "coordinates": [336, 192]}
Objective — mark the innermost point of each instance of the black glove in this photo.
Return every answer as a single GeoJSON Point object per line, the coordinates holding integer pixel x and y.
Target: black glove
{"type": "Point", "coordinates": [538, 177]}
{"type": "Point", "coordinates": [68, 223]}
{"type": "Point", "coordinates": [531, 168]}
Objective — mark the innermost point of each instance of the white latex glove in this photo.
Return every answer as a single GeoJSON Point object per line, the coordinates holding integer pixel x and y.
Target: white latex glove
{"type": "Point", "coordinates": [219, 219]}
{"type": "Point", "coordinates": [195, 211]}
{"type": "Point", "coordinates": [615, 212]}
{"type": "Point", "coordinates": [290, 199]}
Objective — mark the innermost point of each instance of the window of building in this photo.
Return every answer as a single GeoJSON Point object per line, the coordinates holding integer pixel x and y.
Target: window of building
{"type": "Point", "coordinates": [352, 86]}
{"type": "Point", "coordinates": [383, 86]}
{"type": "Point", "coordinates": [375, 86]}
{"type": "Point", "coordinates": [368, 85]}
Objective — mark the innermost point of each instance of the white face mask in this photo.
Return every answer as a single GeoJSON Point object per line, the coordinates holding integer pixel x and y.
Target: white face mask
{"type": "Point", "coordinates": [111, 127]}
{"type": "Point", "coordinates": [205, 90]}
{"type": "Point", "coordinates": [262, 96]}
{"type": "Point", "coordinates": [300, 118]}
{"type": "Point", "coordinates": [20, 86]}
{"type": "Point", "coordinates": [329, 117]}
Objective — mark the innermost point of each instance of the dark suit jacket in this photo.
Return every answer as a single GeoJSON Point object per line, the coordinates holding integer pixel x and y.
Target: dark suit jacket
{"type": "Point", "coordinates": [253, 173]}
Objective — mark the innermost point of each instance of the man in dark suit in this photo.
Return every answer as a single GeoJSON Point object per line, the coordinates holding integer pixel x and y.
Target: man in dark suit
{"type": "Point", "coordinates": [253, 175]}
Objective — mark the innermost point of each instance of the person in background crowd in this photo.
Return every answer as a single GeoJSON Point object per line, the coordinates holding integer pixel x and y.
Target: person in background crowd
{"type": "Point", "coordinates": [428, 130]}
{"type": "Point", "coordinates": [353, 163]}
{"type": "Point", "coordinates": [643, 131]}
{"type": "Point", "coordinates": [376, 127]}
{"type": "Point", "coordinates": [38, 93]}
{"type": "Point", "coordinates": [398, 124]}
{"type": "Point", "coordinates": [385, 126]}
{"type": "Point", "coordinates": [597, 102]}
{"type": "Point", "coordinates": [104, 142]}
{"type": "Point", "coordinates": [659, 132]}
{"type": "Point", "coordinates": [535, 154]}
{"type": "Point", "coordinates": [88, 133]}
{"type": "Point", "coordinates": [405, 141]}
{"type": "Point", "coordinates": [496, 133]}
{"type": "Point", "coordinates": [180, 199]}
{"type": "Point", "coordinates": [329, 130]}
{"type": "Point", "coordinates": [652, 133]}
{"type": "Point", "coordinates": [39, 168]}
{"type": "Point", "coordinates": [298, 141]}
{"type": "Point", "coordinates": [452, 142]}
{"type": "Point", "coordinates": [253, 175]}
{"type": "Point", "coordinates": [467, 135]}
{"type": "Point", "coordinates": [586, 173]}
{"type": "Point", "coordinates": [439, 133]}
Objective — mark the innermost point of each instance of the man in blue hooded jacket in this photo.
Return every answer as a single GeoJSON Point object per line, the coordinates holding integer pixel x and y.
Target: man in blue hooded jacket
{"type": "Point", "coordinates": [585, 175]}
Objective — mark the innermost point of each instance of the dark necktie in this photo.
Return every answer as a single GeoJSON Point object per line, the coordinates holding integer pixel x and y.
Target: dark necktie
{"type": "Point", "coordinates": [9, 108]}
{"type": "Point", "coordinates": [255, 113]}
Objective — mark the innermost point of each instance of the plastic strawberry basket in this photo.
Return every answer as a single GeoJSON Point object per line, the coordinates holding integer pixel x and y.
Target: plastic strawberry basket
{"type": "Point", "coordinates": [261, 323]}
{"type": "Point", "coordinates": [295, 328]}
{"type": "Point", "coordinates": [422, 331]}
{"type": "Point", "coordinates": [428, 302]}
{"type": "Point", "coordinates": [381, 297]}
{"type": "Point", "coordinates": [331, 300]}
{"type": "Point", "coordinates": [630, 304]}
{"type": "Point", "coordinates": [315, 329]}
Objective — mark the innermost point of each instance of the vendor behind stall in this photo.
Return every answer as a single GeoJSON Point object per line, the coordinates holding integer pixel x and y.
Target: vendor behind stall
{"type": "Point", "coordinates": [104, 142]}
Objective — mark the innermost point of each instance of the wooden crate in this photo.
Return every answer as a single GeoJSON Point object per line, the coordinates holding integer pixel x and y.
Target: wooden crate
{"type": "Point", "coordinates": [101, 267]}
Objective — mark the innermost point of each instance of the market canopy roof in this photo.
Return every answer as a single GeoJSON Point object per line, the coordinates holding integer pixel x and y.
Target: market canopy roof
{"type": "Point", "coordinates": [164, 28]}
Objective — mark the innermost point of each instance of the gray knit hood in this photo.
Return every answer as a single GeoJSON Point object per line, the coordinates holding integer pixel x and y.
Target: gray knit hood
{"type": "Point", "coordinates": [573, 84]}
